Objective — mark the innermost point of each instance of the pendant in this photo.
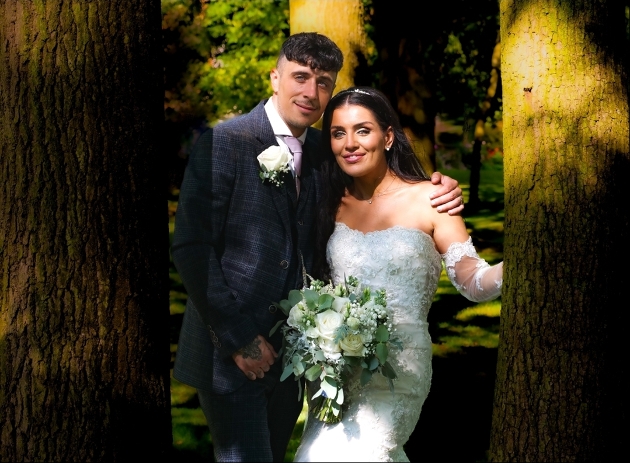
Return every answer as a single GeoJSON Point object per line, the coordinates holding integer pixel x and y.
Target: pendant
{"type": "Point", "coordinates": [369, 201]}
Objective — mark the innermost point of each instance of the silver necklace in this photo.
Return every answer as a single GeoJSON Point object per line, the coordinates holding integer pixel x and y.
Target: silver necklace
{"type": "Point", "coordinates": [386, 190]}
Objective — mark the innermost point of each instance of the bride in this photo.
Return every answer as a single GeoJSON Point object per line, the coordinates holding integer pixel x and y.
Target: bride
{"type": "Point", "coordinates": [378, 225]}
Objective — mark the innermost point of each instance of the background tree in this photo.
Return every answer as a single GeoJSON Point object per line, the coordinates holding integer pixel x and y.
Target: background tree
{"type": "Point", "coordinates": [559, 393]}
{"type": "Point", "coordinates": [432, 64]}
{"type": "Point", "coordinates": [218, 55]}
{"type": "Point", "coordinates": [83, 263]}
{"type": "Point", "coordinates": [343, 22]}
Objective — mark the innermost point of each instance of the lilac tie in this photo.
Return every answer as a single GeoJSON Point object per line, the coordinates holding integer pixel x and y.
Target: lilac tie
{"type": "Point", "coordinates": [296, 148]}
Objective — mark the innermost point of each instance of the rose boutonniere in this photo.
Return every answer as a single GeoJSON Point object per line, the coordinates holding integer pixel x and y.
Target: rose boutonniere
{"type": "Point", "coordinates": [274, 161]}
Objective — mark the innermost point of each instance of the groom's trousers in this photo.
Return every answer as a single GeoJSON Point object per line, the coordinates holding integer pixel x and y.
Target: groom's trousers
{"type": "Point", "coordinates": [255, 422]}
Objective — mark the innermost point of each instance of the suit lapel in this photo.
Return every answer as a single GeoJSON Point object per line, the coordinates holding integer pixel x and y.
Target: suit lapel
{"type": "Point", "coordinates": [307, 180]}
{"type": "Point", "coordinates": [264, 133]}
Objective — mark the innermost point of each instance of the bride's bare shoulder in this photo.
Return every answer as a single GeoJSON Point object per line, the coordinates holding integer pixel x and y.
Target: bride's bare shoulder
{"type": "Point", "coordinates": [419, 192]}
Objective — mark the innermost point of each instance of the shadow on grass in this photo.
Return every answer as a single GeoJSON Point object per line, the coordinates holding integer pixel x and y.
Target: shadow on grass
{"type": "Point", "coordinates": [456, 417]}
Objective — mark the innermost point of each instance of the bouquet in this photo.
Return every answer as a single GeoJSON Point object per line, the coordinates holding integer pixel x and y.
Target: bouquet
{"type": "Point", "coordinates": [332, 331]}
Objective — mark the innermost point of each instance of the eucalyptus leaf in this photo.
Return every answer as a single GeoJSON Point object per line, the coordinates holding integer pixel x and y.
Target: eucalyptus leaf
{"type": "Point", "coordinates": [313, 373]}
{"type": "Point", "coordinates": [288, 370]}
{"type": "Point", "coordinates": [275, 327]}
{"type": "Point", "coordinates": [319, 356]}
{"type": "Point", "coordinates": [317, 394]}
{"type": "Point", "coordinates": [374, 363]}
{"type": "Point", "coordinates": [382, 352]}
{"type": "Point", "coordinates": [340, 396]}
{"type": "Point", "coordinates": [366, 376]}
{"type": "Point", "coordinates": [381, 335]}
{"type": "Point", "coordinates": [335, 408]}
{"type": "Point", "coordinates": [388, 371]}
{"type": "Point", "coordinates": [325, 301]}
{"type": "Point", "coordinates": [329, 385]}
{"type": "Point", "coordinates": [295, 296]}
{"type": "Point", "coordinates": [285, 306]}
{"type": "Point", "coordinates": [311, 297]}
{"type": "Point", "coordinates": [299, 367]}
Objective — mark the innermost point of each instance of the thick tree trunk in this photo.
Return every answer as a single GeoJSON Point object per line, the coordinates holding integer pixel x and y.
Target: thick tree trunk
{"type": "Point", "coordinates": [84, 355]}
{"type": "Point", "coordinates": [559, 393]}
{"type": "Point", "coordinates": [341, 21]}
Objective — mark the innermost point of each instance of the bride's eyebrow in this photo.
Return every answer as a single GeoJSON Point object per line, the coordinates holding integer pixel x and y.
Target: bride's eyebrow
{"type": "Point", "coordinates": [360, 124]}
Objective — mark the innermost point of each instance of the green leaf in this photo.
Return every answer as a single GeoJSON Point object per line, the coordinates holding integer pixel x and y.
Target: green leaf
{"type": "Point", "coordinates": [317, 394]}
{"type": "Point", "coordinates": [311, 297]}
{"type": "Point", "coordinates": [288, 370]}
{"type": "Point", "coordinates": [388, 371]}
{"type": "Point", "coordinates": [382, 335]}
{"type": "Point", "coordinates": [319, 356]}
{"type": "Point", "coordinates": [329, 385]}
{"type": "Point", "coordinates": [340, 397]}
{"type": "Point", "coordinates": [335, 408]}
{"type": "Point", "coordinates": [366, 376]}
{"type": "Point", "coordinates": [285, 305]}
{"type": "Point", "coordinates": [382, 352]}
{"type": "Point", "coordinates": [275, 327]}
{"type": "Point", "coordinates": [313, 373]}
{"type": "Point", "coordinates": [299, 367]}
{"type": "Point", "coordinates": [295, 296]}
{"type": "Point", "coordinates": [325, 301]}
{"type": "Point", "coordinates": [373, 364]}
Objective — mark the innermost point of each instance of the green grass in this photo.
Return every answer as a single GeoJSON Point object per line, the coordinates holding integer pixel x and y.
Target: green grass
{"type": "Point", "coordinates": [455, 419]}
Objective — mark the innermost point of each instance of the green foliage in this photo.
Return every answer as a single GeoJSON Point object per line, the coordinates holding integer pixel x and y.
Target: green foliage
{"type": "Point", "coordinates": [462, 54]}
{"type": "Point", "coordinates": [219, 54]}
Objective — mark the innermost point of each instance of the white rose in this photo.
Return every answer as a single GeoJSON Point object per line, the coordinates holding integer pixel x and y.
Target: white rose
{"type": "Point", "coordinates": [330, 348]}
{"type": "Point", "coordinates": [340, 303]}
{"type": "Point", "coordinates": [296, 315]}
{"type": "Point", "coordinates": [327, 323]}
{"type": "Point", "coordinates": [352, 345]}
{"type": "Point", "coordinates": [274, 158]}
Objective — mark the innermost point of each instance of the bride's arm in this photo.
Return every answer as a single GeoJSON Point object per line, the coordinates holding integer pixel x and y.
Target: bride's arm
{"type": "Point", "coordinates": [470, 274]}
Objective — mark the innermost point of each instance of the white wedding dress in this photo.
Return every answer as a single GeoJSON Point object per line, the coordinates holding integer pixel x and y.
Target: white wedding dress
{"type": "Point", "coordinates": [376, 423]}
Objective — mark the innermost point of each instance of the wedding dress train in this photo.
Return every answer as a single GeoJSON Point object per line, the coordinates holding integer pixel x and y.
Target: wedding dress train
{"type": "Point", "coordinates": [376, 422]}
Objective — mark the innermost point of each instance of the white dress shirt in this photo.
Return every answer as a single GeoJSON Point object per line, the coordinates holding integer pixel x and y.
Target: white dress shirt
{"type": "Point", "coordinates": [281, 130]}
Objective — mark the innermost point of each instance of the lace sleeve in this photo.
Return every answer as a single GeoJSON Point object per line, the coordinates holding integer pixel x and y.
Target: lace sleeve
{"type": "Point", "coordinates": [470, 274]}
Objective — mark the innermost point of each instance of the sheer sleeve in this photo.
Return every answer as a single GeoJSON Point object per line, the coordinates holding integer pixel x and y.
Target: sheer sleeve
{"type": "Point", "coordinates": [473, 277]}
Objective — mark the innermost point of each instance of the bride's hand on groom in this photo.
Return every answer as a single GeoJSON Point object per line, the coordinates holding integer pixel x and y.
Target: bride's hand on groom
{"type": "Point", "coordinates": [256, 358]}
{"type": "Point", "coordinates": [448, 197]}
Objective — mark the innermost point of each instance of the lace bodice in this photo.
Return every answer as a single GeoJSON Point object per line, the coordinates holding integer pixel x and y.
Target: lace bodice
{"type": "Point", "coordinates": [403, 261]}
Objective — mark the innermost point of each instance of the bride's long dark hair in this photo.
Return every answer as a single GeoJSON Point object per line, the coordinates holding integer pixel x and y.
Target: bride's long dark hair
{"type": "Point", "coordinates": [401, 160]}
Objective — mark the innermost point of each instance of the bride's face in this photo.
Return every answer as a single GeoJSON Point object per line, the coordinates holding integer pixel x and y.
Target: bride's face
{"type": "Point", "coordinates": [358, 142]}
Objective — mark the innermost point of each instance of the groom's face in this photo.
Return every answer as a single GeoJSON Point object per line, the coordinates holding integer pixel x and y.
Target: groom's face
{"type": "Point", "coordinates": [301, 93]}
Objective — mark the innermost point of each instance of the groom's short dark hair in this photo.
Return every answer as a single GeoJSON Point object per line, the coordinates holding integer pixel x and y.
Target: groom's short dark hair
{"type": "Point", "coordinates": [314, 50]}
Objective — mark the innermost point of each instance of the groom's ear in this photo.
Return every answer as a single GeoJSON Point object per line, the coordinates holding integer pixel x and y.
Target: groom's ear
{"type": "Point", "coordinates": [274, 78]}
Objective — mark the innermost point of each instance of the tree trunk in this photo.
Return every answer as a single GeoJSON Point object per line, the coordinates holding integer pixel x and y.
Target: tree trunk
{"type": "Point", "coordinates": [339, 20]}
{"type": "Point", "coordinates": [84, 353]}
{"type": "Point", "coordinates": [559, 395]}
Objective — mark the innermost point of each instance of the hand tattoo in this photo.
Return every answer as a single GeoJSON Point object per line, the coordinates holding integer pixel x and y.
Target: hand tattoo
{"type": "Point", "coordinates": [251, 350]}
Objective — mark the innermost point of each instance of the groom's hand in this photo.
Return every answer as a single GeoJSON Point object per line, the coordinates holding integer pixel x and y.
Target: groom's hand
{"type": "Point", "coordinates": [449, 196]}
{"type": "Point", "coordinates": [256, 358]}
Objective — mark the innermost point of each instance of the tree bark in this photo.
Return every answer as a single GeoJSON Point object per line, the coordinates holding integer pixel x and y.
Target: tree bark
{"type": "Point", "coordinates": [84, 354]}
{"type": "Point", "coordinates": [559, 393]}
{"type": "Point", "coordinates": [339, 20]}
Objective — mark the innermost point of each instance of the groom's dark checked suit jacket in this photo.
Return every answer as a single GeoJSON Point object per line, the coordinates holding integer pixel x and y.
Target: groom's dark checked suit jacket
{"type": "Point", "coordinates": [236, 246]}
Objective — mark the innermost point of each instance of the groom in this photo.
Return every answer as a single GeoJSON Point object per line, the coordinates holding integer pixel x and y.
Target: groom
{"type": "Point", "coordinates": [240, 244]}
